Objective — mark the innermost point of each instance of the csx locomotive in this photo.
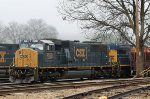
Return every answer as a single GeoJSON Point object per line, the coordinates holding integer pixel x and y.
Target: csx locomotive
{"type": "Point", "coordinates": [146, 61]}
{"type": "Point", "coordinates": [7, 52]}
{"type": "Point", "coordinates": [42, 60]}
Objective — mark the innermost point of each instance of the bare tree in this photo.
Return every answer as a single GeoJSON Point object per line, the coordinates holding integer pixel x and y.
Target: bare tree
{"type": "Point", "coordinates": [2, 37]}
{"type": "Point", "coordinates": [110, 16]}
{"type": "Point", "coordinates": [34, 29]}
{"type": "Point", "coordinates": [38, 29]}
{"type": "Point", "coordinates": [13, 33]}
{"type": "Point", "coordinates": [107, 38]}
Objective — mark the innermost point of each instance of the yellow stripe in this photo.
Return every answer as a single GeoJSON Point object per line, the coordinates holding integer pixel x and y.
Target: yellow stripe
{"type": "Point", "coordinates": [81, 66]}
{"type": "Point", "coordinates": [125, 65]}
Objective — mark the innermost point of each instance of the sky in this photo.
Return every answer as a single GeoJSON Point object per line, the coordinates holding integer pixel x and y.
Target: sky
{"type": "Point", "coordinates": [23, 10]}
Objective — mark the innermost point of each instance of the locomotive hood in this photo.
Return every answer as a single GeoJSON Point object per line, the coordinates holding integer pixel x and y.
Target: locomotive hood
{"type": "Point", "coordinates": [26, 57]}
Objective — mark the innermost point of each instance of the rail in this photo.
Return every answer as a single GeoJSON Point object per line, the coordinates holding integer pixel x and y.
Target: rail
{"type": "Point", "coordinates": [7, 88]}
{"type": "Point", "coordinates": [143, 72]}
{"type": "Point", "coordinates": [127, 93]}
{"type": "Point", "coordinates": [121, 85]}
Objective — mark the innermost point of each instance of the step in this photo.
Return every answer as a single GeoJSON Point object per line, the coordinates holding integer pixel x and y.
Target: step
{"type": "Point", "coordinates": [4, 67]}
{"type": "Point", "coordinates": [4, 76]}
{"type": "Point", "coordinates": [3, 71]}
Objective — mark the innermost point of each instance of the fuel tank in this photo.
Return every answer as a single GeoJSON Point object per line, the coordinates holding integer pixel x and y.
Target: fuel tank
{"type": "Point", "coordinates": [78, 74]}
{"type": "Point", "coordinates": [26, 57]}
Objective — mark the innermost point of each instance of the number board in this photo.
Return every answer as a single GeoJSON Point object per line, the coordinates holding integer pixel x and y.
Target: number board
{"type": "Point", "coordinates": [80, 53]}
{"type": "Point", "coordinates": [50, 55]}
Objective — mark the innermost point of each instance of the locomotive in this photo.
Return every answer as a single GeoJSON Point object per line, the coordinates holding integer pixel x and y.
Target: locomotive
{"type": "Point", "coordinates": [146, 66]}
{"type": "Point", "coordinates": [52, 59]}
{"type": "Point", "coordinates": [7, 52]}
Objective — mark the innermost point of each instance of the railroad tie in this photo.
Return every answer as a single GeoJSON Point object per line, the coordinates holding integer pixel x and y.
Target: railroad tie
{"type": "Point", "coordinates": [102, 97]}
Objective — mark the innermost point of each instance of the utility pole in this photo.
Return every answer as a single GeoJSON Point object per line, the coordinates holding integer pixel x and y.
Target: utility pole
{"type": "Point", "coordinates": [138, 69]}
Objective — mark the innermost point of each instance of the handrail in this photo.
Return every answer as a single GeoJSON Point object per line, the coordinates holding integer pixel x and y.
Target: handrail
{"type": "Point", "coordinates": [143, 72]}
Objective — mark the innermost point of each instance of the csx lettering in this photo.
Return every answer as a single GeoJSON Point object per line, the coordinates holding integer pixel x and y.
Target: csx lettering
{"type": "Point", "coordinates": [80, 53]}
{"type": "Point", "coordinates": [23, 56]}
{"type": "Point", "coordinates": [2, 58]}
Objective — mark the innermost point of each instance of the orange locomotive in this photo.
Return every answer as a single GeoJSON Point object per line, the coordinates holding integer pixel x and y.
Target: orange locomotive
{"type": "Point", "coordinates": [146, 59]}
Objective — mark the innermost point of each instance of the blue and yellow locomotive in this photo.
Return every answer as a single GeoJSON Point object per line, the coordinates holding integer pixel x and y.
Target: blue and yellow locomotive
{"type": "Point", "coordinates": [7, 52]}
{"type": "Point", "coordinates": [42, 60]}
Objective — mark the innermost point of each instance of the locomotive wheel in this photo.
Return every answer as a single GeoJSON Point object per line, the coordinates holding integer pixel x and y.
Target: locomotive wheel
{"type": "Point", "coordinates": [81, 79]}
{"type": "Point", "coordinates": [18, 81]}
{"type": "Point", "coordinates": [42, 79]}
{"type": "Point", "coordinates": [28, 79]}
{"type": "Point", "coordinates": [53, 79]}
{"type": "Point", "coordinates": [11, 79]}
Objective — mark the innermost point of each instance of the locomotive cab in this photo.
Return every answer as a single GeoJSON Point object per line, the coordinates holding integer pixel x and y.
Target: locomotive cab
{"type": "Point", "coordinates": [37, 51]}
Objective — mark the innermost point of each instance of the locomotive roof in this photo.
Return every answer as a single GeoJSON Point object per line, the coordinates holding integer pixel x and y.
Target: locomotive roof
{"type": "Point", "coordinates": [2, 47]}
{"type": "Point", "coordinates": [47, 41]}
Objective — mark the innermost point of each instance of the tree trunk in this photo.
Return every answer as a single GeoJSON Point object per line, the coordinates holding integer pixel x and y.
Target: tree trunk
{"type": "Point", "coordinates": [138, 67]}
{"type": "Point", "coordinates": [139, 39]}
{"type": "Point", "coordinates": [141, 59]}
{"type": "Point", "coordinates": [138, 64]}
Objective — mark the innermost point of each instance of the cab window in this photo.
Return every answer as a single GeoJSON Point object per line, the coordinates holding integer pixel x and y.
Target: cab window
{"type": "Point", "coordinates": [49, 47]}
{"type": "Point", "coordinates": [24, 45]}
{"type": "Point", "coordinates": [37, 46]}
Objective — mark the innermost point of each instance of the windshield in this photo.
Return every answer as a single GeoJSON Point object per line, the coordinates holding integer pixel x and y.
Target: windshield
{"type": "Point", "coordinates": [35, 46]}
{"type": "Point", "coordinates": [24, 45]}
{"type": "Point", "coordinates": [38, 46]}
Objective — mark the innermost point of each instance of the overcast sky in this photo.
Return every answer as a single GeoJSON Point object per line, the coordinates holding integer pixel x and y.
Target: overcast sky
{"type": "Point", "coordinates": [23, 10]}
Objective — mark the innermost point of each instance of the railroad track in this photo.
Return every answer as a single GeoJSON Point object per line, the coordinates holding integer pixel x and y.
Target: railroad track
{"type": "Point", "coordinates": [8, 88]}
{"type": "Point", "coordinates": [4, 80]}
{"type": "Point", "coordinates": [4, 74]}
{"type": "Point", "coordinates": [97, 92]}
{"type": "Point", "coordinates": [129, 92]}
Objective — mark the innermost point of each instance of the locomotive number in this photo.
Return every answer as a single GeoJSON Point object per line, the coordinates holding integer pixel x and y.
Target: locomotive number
{"type": "Point", "coordinates": [2, 58]}
{"type": "Point", "coordinates": [23, 56]}
{"type": "Point", "coordinates": [50, 55]}
{"type": "Point", "coordinates": [80, 52]}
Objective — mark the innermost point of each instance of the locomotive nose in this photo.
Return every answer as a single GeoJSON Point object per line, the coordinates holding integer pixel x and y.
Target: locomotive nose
{"type": "Point", "coordinates": [26, 57]}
